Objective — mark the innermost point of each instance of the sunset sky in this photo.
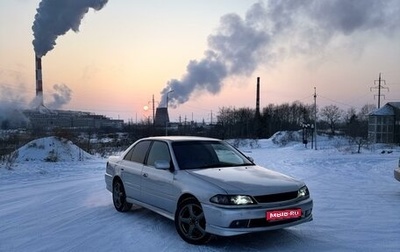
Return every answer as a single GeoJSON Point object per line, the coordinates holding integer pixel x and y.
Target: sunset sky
{"type": "Point", "coordinates": [208, 52]}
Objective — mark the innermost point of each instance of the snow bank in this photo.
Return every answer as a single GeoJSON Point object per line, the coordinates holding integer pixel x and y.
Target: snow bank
{"type": "Point", "coordinates": [51, 149]}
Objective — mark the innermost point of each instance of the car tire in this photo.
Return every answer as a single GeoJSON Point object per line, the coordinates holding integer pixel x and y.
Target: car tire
{"type": "Point", "coordinates": [119, 197]}
{"type": "Point", "coordinates": [190, 222]}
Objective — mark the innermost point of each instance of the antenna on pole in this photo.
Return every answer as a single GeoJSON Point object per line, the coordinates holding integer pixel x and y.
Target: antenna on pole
{"type": "Point", "coordinates": [379, 87]}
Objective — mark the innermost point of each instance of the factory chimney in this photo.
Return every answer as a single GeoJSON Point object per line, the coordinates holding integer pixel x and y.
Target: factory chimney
{"type": "Point", "coordinates": [257, 118]}
{"type": "Point", "coordinates": [258, 97]}
{"type": "Point", "coordinates": [39, 82]}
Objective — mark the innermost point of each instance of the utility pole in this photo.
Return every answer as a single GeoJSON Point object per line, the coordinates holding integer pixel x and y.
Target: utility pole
{"type": "Point", "coordinates": [379, 87]}
{"type": "Point", "coordinates": [153, 112]}
{"type": "Point", "coordinates": [315, 117]}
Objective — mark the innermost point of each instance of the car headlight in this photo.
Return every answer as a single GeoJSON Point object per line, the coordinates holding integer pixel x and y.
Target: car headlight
{"type": "Point", "coordinates": [303, 192]}
{"type": "Point", "coordinates": [232, 200]}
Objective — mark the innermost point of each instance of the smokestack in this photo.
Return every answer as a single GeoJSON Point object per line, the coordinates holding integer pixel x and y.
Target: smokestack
{"type": "Point", "coordinates": [39, 82]}
{"type": "Point", "coordinates": [258, 97]}
{"type": "Point", "coordinates": [257, 124]}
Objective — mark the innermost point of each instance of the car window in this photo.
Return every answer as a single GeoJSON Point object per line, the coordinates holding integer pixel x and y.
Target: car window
{"type": "Point", "coordinates": [207, 154]}
{"type": "Point", "coordinates": [226, 155]}
{"type": "Point", "coordinates": [159, 151]}
{"type": "Point", "coordinates": [138, 152]}
{"type": "Point", "coordinates": [129, 154]}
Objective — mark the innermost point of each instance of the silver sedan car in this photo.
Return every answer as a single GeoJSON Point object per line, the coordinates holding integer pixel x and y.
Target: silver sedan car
{"type": "Point", "coordinates": [397, 172]}
{"type": "Point", "coordinates": [206, 186]}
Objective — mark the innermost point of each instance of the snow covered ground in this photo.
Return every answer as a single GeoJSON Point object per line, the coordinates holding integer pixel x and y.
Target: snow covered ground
{"type": "Point", "coordinates": [64, 206]}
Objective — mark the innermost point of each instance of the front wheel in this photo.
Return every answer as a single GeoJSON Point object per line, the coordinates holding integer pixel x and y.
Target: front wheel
{"type": "Point", "coordinates": [190, 222]}
{"type": "Point", "coordinates": [119, 197]}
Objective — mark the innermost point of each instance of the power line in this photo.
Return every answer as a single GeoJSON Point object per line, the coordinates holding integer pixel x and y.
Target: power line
{"type": "Point", "coordinates": [335, 101]}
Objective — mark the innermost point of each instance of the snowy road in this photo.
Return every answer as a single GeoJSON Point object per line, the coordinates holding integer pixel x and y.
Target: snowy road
{"type": "Point", "coordinates": [65, 207]}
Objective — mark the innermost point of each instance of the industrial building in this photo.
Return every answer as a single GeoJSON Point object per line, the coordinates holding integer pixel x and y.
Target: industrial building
{"type": "Point", "coordinates": [50, 119]}
{"type": "Point", "coordinates": [44, 118]}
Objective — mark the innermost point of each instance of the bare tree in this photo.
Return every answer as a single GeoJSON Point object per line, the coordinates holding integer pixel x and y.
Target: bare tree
{"type": "Point", "coordinates": [332, 114]}
{"type": "Point", "coordinates": [287, 116]}
{"type": "Point", "coordinates": [357, 126]}
{"type": "Point", "coordinates": [365, 110]}
{"type": "Point", "coordinates": [350, 113]}
{"type": "Point", "coordinates": [237, 122]}
{"type": "Point", "coordinates": [354, 131]}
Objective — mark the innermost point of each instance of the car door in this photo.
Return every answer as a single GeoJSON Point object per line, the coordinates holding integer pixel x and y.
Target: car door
{"type": "Point", "coordinates": [158, 184]}
{"type": "Point", "coordinates": [131, 169]}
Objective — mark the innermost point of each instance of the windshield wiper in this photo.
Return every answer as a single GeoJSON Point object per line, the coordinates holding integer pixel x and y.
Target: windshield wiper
{"type": "Point", "coordinates": [222, 165]}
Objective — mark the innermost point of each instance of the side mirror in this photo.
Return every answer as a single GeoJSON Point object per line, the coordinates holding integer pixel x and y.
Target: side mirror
{"type": "Point", "coordinates": [162, 164]}
{"type": "Point", "coordinates": [250, 158]}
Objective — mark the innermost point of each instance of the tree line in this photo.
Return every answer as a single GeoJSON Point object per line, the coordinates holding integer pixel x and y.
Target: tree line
{"type": "Point", "coordinates": [232, 123]}
{"type": "Point", "coordinates": [245, 123]}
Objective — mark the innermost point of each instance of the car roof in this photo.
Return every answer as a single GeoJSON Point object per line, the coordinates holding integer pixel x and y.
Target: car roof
{"type": "Point", "coordinates": [180, 138]}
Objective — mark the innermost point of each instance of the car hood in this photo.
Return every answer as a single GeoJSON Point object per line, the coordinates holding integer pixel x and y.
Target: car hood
{"type": "Point", "coordinates": [254, 180]}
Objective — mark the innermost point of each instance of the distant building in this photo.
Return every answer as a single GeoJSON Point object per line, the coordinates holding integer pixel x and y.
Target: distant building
{"type": "Point", "coordinates": [384, 124]}
{"type": "Point", "coordinates": [69, 119]}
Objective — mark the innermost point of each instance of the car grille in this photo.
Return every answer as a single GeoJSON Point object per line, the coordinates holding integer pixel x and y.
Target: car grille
{"type": "Point", "coordinates": [276, 197]}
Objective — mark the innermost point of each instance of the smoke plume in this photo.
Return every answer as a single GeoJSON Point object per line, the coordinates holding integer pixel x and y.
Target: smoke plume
{"type": "Point", "coordinates": [61, 96]}
{"type": "Point", "coordinates": [11, 105]}
{"type": "Point", "coordinates": [271, 30]}
{"type": "Point", "coordinates": [56, 17]}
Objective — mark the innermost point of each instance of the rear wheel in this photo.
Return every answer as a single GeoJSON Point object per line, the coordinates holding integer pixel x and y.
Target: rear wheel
{"type": "Point", "coordinates": [119, 197]}
{"type": "Point", "coordinates": [191, 223]}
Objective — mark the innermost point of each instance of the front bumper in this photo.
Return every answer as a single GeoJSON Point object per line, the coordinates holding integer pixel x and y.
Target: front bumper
{"type": "Point", "coordinates": [108, 179]}
{"type": "Point", "coordinates": [233, 221]}
{"type": "Point", "coordinates": [397, 174]}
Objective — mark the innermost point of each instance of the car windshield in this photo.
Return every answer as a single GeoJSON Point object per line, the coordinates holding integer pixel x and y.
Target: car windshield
{"type": "Point", "coordinates": [207, 154]}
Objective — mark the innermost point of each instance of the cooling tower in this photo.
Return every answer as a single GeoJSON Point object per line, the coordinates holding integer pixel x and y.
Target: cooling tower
{"type": "Point", "coordinates": [162, 117]}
